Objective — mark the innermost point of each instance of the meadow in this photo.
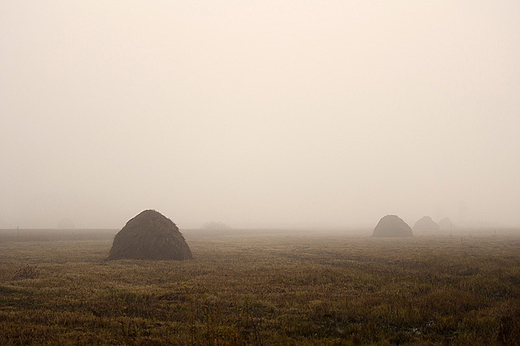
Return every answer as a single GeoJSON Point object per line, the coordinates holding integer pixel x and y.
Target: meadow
{"type": "Point", "coordinates": [262, 288]}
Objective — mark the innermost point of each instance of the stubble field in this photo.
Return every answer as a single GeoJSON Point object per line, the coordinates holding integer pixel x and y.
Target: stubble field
{"type": "Point", "coordinates": [262, 288]}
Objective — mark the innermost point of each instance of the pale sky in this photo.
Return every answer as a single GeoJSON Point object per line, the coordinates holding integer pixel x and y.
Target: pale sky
{"type": "Point", "coordinates": [265, 113]}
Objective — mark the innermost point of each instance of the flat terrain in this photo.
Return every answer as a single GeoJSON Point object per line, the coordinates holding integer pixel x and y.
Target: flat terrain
{"type": "Point", "coordinates": [262, 288]}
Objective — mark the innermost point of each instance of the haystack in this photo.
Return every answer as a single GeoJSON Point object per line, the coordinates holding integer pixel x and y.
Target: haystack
{"type": "Point", "coordinates": [150, 235]}
{"type": "Point", "coordinates": [392, 226]}
{"type": "Point", "coordinates": [446, 224]}
{"type": "Point", "coordinates": [426, 225]}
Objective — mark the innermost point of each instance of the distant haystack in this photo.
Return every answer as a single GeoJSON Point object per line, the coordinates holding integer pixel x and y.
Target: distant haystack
{"type": "Point", "coordinates": [215, 225]}
{"type": "Point", "coordinates": [66, 224]}
{"type": "Point", "coordinates": [392, 226]}
{"type": "Point", "coordinates": [446, 224]}
{"type": "Point", "coordinates": [150, 235]}
{"type": "Point", "coordinates": [426, 225]}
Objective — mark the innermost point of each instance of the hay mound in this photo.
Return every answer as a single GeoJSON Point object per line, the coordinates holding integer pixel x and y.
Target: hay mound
{"type": "Point", "coordinates": [150, 235]}
{"type": "Point", "coordinates": [446, 224]}
{"type": "Point", "coordinates": [392, 226]}
{"type": "Point", "coordinates": [426, 224]}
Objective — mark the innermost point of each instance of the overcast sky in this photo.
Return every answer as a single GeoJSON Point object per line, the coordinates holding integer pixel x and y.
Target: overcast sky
{"type": "Point", "coordinates": [259, 113]}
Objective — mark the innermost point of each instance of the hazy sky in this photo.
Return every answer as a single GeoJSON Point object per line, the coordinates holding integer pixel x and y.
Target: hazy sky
{"type": "Point", "coordinates": [264, 113]}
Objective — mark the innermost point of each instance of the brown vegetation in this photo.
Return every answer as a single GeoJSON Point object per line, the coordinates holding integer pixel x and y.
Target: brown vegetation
{"type": "Point", "coordinates": [267, 290]}
{"type": "Point", "coordinates": [26, 271]}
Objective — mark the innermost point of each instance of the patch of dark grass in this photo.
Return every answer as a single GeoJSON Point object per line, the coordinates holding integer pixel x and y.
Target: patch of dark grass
{"type": "Point", "coordinates": [26, 271]}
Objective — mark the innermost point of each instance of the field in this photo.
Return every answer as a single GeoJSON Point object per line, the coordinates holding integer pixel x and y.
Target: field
{"type": "Point", "coordinates": [262, 288]}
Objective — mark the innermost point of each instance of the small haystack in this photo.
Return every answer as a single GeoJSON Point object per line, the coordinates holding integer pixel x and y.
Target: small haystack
{"type": "Point", "coordinates": [446, 224]}
{"type": "Point", "coordinates": [392, 226]}
{"type": "Point", "coordinates": [150, 235]}
{"type": "Point", "coordinates": [426, 225]}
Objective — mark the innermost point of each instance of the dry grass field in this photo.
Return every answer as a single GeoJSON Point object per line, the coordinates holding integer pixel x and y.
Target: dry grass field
{"type": "Point", "coordinates": [262, 288]}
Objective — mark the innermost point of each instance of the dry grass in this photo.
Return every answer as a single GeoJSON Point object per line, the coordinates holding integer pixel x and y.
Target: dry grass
{"type": "Point", "coordinates": [266, 290]}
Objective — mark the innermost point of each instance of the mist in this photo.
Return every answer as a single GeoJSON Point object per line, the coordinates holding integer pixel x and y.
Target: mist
{"type": "Point", "coordinates": [268, 114]}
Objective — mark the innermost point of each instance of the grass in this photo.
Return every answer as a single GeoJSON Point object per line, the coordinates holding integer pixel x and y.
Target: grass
{"type": "Point", "coordinates": [263, 289]}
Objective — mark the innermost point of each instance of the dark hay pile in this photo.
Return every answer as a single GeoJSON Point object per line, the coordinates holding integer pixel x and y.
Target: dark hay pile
{"type": "Point", "coordinates": [150, 235]}
{"type": "Point", "coordinates": [392, 226]}
{"type": "Point", "coordinates": [426, 224]}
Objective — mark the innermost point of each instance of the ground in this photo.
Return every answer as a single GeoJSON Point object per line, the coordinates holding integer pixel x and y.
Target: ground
{"type": "Point", "coordinates": [262, 288]}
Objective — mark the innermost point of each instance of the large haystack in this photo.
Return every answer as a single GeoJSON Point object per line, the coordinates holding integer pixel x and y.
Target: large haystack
{"type": "Point", "coordinates": [150, 235]}
{"type": "Point", "coordinates": [426, 225]}
{"type": "Point", "coordinates": [392, 226]}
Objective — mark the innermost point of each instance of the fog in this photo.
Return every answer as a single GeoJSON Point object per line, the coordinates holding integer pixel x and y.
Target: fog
{"type": "Point", "coordinates": [259, 114]}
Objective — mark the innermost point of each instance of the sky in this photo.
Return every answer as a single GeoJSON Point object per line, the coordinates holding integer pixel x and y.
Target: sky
{"type": "Point", "coordinates": [259, 114]}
